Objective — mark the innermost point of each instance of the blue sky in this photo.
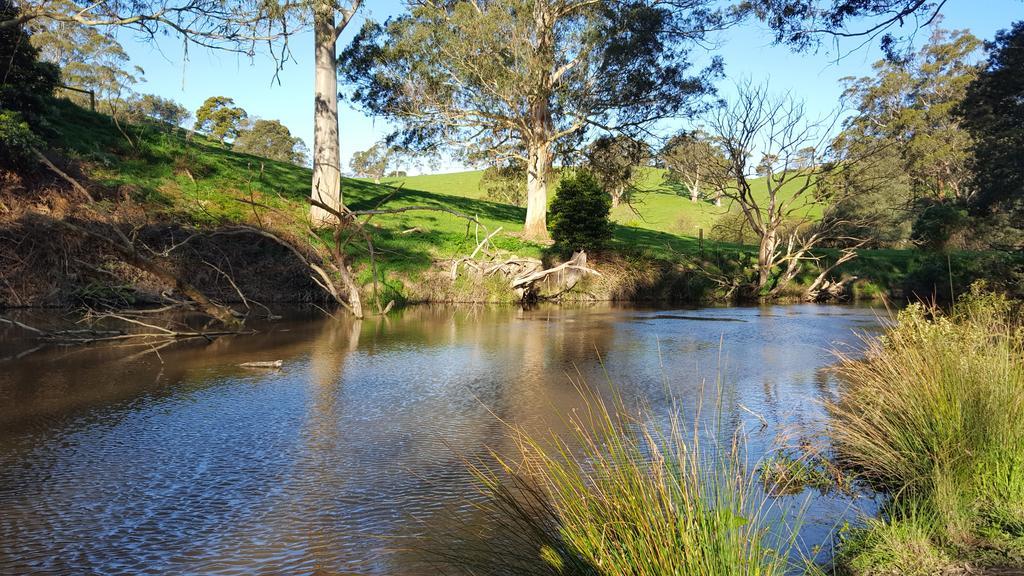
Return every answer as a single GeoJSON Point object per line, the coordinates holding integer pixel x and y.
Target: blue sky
{"type": "Point", "coordinates": [747, 50]}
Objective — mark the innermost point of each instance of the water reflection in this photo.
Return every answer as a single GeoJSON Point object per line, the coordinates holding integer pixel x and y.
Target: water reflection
{"type": "Point", "coordinates": [120, 463]}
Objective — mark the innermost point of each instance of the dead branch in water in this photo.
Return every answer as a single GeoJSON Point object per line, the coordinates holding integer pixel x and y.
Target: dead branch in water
{"type": "Point", "coordinates": [154, 333]}
{"type": "Point", "coordinates": [131, 254]}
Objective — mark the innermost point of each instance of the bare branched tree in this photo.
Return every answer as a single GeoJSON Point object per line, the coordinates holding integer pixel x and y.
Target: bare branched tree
{"type": "Point", "coordinates": [790, 210]}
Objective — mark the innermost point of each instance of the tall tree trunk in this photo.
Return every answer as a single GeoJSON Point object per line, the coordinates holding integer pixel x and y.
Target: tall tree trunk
{"type": "Point", "coordinates": [765, 253]}
{"type": "Point", "coordinates": [538, 170]}
{"type": "Point", "coordinates": [326, 149]}
{"type": "Point", "coordinates": [617, 196]}
{"type": "Point", "coordinates": [695, 190]}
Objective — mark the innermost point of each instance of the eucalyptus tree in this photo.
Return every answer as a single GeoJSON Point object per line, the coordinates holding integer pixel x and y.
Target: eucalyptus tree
{"type": "Point", "coordinates": [329, 18]}
{"type": "Point", "coordinates": [803, 24]}
{"type": "Point", "coordinates": [993, 113]}
{"type": "Point", "coordinates": [89, 58]}
{"type": "Point", "coordinates": [220, 118]}
{"type": "Point", "coordinates": [372, 162]}
{"type": "Point", "coordinates": [271, 139]}
{"type": "Point", "coordinates": [614, 162]}
{"type": "Point", "coordinates": [501, 80]}
{"type": "Point", "coordinates": [696, 160]}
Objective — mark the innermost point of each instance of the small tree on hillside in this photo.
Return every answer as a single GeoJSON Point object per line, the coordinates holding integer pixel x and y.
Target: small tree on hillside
{"type": "Point", "coordinates": [271, 139]}
{"type": "Point", "coordinates": [695, 160]}
{"type": "Point", "coordinates": [372, 162]}
{"type": "Point", "coordinates": [761, 133]}
{"type": "Point", "coordinates": [220, 118]}
{"type": "Point", "coordinates": [613, 161]}
{"type": "Point", "coordinates": [164, 110]}
{"type": "Point", "coordinates": [579, 213]}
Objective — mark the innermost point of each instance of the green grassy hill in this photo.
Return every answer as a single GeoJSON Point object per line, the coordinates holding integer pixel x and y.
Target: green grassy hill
{"type": "Point", "coordinates": [659, 204]}
{"type": "Point", "coordinates": [184, 177]}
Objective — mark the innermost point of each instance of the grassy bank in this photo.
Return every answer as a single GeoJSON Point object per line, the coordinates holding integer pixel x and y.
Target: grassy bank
{"type": "Point", "coordinates": [934, 418]}
{"type": "Point", "coordinates": [172, 179]}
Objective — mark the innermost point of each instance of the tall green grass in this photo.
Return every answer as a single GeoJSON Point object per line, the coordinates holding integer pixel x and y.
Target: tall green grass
{"type": "Point", "coordinates": [624, 496]}
{"type": "Point", "coordinates": [934, 417]}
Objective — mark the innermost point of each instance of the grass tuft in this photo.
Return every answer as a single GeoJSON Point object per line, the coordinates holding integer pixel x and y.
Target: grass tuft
{"type": "Point", "coordinates": [624, 496]}
{"type": "Point", "coordinates": [934, 417]}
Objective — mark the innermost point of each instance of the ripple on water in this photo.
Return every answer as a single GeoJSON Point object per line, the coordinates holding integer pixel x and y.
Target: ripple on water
{"type": "Point", "coordinates": [324, 466]}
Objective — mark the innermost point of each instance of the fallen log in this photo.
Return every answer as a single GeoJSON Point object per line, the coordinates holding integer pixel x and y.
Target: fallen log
{"type": "Point", "coordinates": [565, 277]}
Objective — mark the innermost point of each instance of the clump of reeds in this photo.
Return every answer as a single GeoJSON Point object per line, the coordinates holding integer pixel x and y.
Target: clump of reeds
{"type": "Point", "coordinates": [934, 417]}
{"type": "Point", "coordinates": [625, 496]}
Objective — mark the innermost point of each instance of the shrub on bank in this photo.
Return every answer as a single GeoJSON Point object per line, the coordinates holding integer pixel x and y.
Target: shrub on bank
{"type": "Point", "coordinates": [934, 417]}
{"type": "Point", "coordinates": [579, 214]}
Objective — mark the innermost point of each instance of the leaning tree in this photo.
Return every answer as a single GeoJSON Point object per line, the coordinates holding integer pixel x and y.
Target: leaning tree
{"type": "Point", "coordinates": [500, 80]}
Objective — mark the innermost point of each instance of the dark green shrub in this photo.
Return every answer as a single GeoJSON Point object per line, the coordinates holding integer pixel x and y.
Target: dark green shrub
{"type": "Point", "coordinates": [933, 275]}
{"type": "Point", "coordinates": [16, 141]}
{"type": "Point", "coordinates": [579, 214]}
{"type": "Point", "coordinates": [938, 225]}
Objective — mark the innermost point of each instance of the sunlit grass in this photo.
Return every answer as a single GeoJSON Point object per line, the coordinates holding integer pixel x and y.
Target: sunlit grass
{"type": "Point", "coordinates": [934, 417]}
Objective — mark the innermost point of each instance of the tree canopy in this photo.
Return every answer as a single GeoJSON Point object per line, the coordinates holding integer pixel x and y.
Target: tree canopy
{"type": "Point", "coordinates": [613, 160]}
{"type": "Point", "coordinates": [372, 162]}
{"type": "Point", "coordinates": [88, 58]}
{"type": "Point", "coordinates": [518, 79]}
{"type": "Point", "coordinates": [271, 139]}
{"type": "Point", "coordinates": [993, 114]}
{"type": "Point", "coordinates": [908, 109]}
{"type": "Point", "coordinates": [220, 118]}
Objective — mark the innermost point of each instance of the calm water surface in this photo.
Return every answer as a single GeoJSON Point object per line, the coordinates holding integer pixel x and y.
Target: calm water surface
{"type": "Point", "coordinates": [182, 462]}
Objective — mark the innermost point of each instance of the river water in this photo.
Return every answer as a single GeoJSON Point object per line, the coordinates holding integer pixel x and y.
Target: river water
{"type": "Point", "coordinates": [179, 461]}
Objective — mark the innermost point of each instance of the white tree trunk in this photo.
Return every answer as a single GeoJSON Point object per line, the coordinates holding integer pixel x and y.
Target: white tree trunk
{"type": "Point", "coordinates": [617, 196]}
{"type": "Point", "coordinates": [694, 190]}
{"type": "Point", "coordinates": [537, 172]}
{"type": "Point", "coordinates": [326, 149]}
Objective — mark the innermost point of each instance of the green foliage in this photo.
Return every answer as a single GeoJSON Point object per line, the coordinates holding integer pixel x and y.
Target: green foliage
{"type": "Point", "coordinates": [944, 276]}
{"type": "Point", "coordinates": [271, 139]}
{"type": "Point", "coordinates": [613, 161]}
{"type": "Point", "coordinates": [571, 61]}
{"type": "Point", "coordinates": [993, 113]}
{"type": "Point", "coordinates": [934, 416]}
{"type": "Point", "coordinates": [624, 496]}
{"type": "Point", "coordinates": [579, 214]}
{"type": "Point", "coordinates": [918, 151]}
{"type": "Point", "coordinates": [16, 141]}
{"type": "Point", "coordinates": [694, 160]}
{"type": "Point", "coordinates": [28, 83]}
{"type": "Point", "coordinates": [158, 108]}
{"type": "Point", "coordinates": [938, 224]}
{"type": "Point", "coordinates": [505, 183]}
{"type": "Point", "coordinates": [89, 57]}
{"type": "Point", "coordinates": [372, 162]}
{"type": "Point", "coordinates": [220, 118]}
